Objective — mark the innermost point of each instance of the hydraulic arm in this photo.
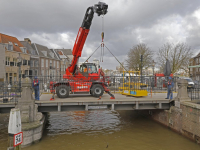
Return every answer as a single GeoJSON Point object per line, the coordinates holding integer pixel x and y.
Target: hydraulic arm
{"type": "Point", "coordinates": [100, 9]}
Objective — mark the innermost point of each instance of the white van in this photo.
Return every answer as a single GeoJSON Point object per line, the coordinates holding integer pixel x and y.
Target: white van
{"type": "Point", "coordinates": [190, 83]}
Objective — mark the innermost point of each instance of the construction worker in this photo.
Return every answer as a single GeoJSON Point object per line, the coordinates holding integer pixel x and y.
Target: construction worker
{"type": "Point", "coordinates": [36, 88]}
{"type": "Point", "coordinates": [170, 86]}
{"type": "Point", "coordinates": [85, 69]}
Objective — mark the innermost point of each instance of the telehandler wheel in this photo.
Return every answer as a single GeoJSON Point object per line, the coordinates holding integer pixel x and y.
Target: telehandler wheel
{"type": "Point", "coordinates": [62, 91]}
{"type": "Point", "coordinates": [97, 90]}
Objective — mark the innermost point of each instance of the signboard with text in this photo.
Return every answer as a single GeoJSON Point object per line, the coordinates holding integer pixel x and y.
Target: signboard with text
{"type": "Point", "coordinates": [18, 138]}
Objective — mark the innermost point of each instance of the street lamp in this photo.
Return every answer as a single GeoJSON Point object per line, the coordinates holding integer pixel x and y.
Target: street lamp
{"type": "Point", "coordinates": [153, 65]}
{"type": "Point", "coordinates": [19, 60]}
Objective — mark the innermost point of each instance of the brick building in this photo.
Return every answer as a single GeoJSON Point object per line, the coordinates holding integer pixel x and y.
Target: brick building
{"type": "Point", "coordinates": [49, 63]}
{"type": "Point", "coordinates": [11, 50]}
{"type": "Point", "coordinates": [194, 67]}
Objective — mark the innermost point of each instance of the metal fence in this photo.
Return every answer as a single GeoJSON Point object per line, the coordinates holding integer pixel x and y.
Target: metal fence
{"type": "Point", "coordinates": [10, 92]}
{"type": "Point", "coordinates": [115, 83]}
{"type": "Point", "coordinates": [194, 91]}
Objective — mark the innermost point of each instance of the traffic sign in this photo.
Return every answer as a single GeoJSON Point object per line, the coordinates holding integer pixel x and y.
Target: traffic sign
{"type": "Point", "coordinates": [18, 138]}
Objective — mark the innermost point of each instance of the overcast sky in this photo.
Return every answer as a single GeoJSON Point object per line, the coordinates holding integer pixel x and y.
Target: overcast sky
{"type": "Point", "coordinates": [55, 24]}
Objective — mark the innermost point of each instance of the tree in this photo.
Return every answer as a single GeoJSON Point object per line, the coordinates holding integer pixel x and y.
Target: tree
{"type": "Point", "coordinates": [179, 56]}
{"type": "Point", "coordinates": [134, 57]}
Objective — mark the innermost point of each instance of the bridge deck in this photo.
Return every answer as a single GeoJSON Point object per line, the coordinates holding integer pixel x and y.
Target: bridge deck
{"type": "Point", "coordinates": [87, 102]}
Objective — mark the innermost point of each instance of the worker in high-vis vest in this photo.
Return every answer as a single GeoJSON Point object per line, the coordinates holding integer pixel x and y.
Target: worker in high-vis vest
{"type": "Point", "coordinates": [170, 85]}
{"type": "Point", "coordinates": [36, 88]}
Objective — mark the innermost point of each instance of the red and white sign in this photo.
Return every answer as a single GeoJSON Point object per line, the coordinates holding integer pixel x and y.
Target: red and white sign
{"type": "Point", "coordinates": [18, 138]}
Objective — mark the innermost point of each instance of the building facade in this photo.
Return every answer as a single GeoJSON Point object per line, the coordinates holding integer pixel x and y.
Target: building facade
{"type": "Point", "coordinates": [194, 67]}
{"type": "Point", "coordinates": [13, 51]}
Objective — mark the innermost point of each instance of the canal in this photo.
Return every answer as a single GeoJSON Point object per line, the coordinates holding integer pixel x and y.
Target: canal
{"type": "Point", "coordinates": [97, 130]}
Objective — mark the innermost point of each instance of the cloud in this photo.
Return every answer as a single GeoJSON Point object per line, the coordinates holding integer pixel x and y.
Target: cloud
{"type": "Point", "coordinates": [55, 24]}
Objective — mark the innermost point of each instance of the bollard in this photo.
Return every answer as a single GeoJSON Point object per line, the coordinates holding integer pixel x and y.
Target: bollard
{"type": "Point", "coordinates": [15, 137]}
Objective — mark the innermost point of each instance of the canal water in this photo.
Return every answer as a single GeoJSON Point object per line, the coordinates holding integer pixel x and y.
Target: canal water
{"type": "Point", "coordinates": [98, 130]}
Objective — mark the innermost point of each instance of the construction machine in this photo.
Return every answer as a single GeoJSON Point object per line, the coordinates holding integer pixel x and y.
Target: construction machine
{"type": "Point", "coordinates": [86, 78]}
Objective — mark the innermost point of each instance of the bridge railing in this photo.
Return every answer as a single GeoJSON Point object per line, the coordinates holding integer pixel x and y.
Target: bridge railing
{"type": "Point", "coordinates": [10, 92]}
{"type": "Point", "coordinates": [194, 91]}
{"type": "Point", "coordinates": [114, 83]}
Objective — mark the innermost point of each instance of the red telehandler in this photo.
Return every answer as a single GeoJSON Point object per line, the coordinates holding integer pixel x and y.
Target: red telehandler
{"type": "Point", "coordinates": [86, 78]}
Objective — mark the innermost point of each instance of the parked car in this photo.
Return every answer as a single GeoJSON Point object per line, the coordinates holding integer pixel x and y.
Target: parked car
{"type": "Point", "coordinates": [190, 83]}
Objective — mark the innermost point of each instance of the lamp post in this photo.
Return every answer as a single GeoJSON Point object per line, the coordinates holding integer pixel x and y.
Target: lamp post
{"type": "Point", "coordinates": [153, 65]}
{"type": "Point", "coordinates": [19, 60]}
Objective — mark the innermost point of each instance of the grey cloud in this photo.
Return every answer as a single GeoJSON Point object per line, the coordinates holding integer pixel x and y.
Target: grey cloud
{"type": "Point", "coordinates": [44, 21]}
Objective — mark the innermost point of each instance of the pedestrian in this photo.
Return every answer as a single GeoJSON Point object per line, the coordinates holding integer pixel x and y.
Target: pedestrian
{"type": "Point", "coordinates": [170, 86]}
{"type": "Point", "coordinates": [35, 85]}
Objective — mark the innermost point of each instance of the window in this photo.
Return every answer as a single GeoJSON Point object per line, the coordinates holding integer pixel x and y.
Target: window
{"type": "Point", "coordinates": [15, 61]}
{"type": "Point", "coordinates": [25, 62]}
{"type": "Point", "coordinates": [35, 73]}
{"type": "Point", "coordinates": [54, 64]}
{"type": "Point", "coordinates": [47, 62]}
{"type": "Point", "coordinates": [36, 63]}
{"type": "Point", "coordinates": [23, 49]}
{"type": "Point", "coordinates": [16, 44]}
{"type": "Point", "coordinates": [196, 61]}
{"type": "Point", "coordinates": [42, 72]}
{"type": "Point", "coordinates": [57, 64]}
{"type": "Point", "coordinates": [42, 62]}
{"type": "Point", "coordinates": [10, 46]}
{"type": "Point", "coordinates": [26, 72]}
{"type": "Point", "coordinates": [50, 63]}
{"type": "Point", "coordinates": [46, 72]}
{"type": "Point", "coordinates": [7, 61]}
{"type": "Point", "coordinates": [32, 63]}
{"type": "Point", "coordinates": [15, 77]}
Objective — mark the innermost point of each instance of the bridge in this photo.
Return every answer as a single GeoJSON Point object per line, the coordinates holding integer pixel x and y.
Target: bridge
{"type": "Point", "coordinates": [33, 113]}
{"type": "Point", "coordinates": [87, 102]}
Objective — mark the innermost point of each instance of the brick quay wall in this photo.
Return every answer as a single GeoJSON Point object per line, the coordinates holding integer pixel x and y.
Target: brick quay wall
{"type": "Point", "coordinates": [184, 119]}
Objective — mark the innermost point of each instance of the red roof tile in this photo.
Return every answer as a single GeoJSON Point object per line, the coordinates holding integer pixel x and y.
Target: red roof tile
{"type": "Point", "coordinates": [6, 39]}
{"type": "Point", "coordinates": [60, 53]}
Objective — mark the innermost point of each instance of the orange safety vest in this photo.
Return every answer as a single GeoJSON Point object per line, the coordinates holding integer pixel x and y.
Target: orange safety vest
{"type": "Point", "coordinates": [34, 82]}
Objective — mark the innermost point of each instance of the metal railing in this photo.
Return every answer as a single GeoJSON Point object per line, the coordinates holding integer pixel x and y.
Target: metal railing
{"type": "Point", "coordinates": [10, 92]}
{"type": "Point", "coordinates": [114, 83]}
{"type": "Point", "coordinates": [194, 91]}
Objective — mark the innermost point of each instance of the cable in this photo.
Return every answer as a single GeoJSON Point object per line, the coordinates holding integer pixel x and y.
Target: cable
{"type": "Point", "coordinates": [116, 58]}
{"type": "Point", "coordinates": [92, 54]}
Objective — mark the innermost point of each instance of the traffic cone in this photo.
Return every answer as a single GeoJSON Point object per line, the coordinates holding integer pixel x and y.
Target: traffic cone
{"type": "Point", "coordinates": [99, 98]}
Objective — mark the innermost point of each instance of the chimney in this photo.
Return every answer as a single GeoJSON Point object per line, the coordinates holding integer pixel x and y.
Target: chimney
{"type": "Point", "coordinates": [27, 40]}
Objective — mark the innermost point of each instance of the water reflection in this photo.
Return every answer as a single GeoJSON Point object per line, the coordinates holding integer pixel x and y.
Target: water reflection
{"type": "Point", "coordinates": [89, 122]}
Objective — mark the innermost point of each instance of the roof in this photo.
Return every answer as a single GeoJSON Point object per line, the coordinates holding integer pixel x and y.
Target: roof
{"type": "Point", "coordinates": [65, 51]}
{"type": "Point", "coordinates": [55, 54]}
{"type": "Point", "coordinates": [41, 49]}
{"type": "Point", "coordinates": [30, 49]}
{"type": "Point", "coordinates": [61, 55]}
{"type": "Point", "coordinates": [6, 39]}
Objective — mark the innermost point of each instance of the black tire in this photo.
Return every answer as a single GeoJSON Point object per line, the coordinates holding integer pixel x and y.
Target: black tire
{"type": "Point", "coordinates": [62, 91]}
{"type": "Point", "coordinates": [97, 90]}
